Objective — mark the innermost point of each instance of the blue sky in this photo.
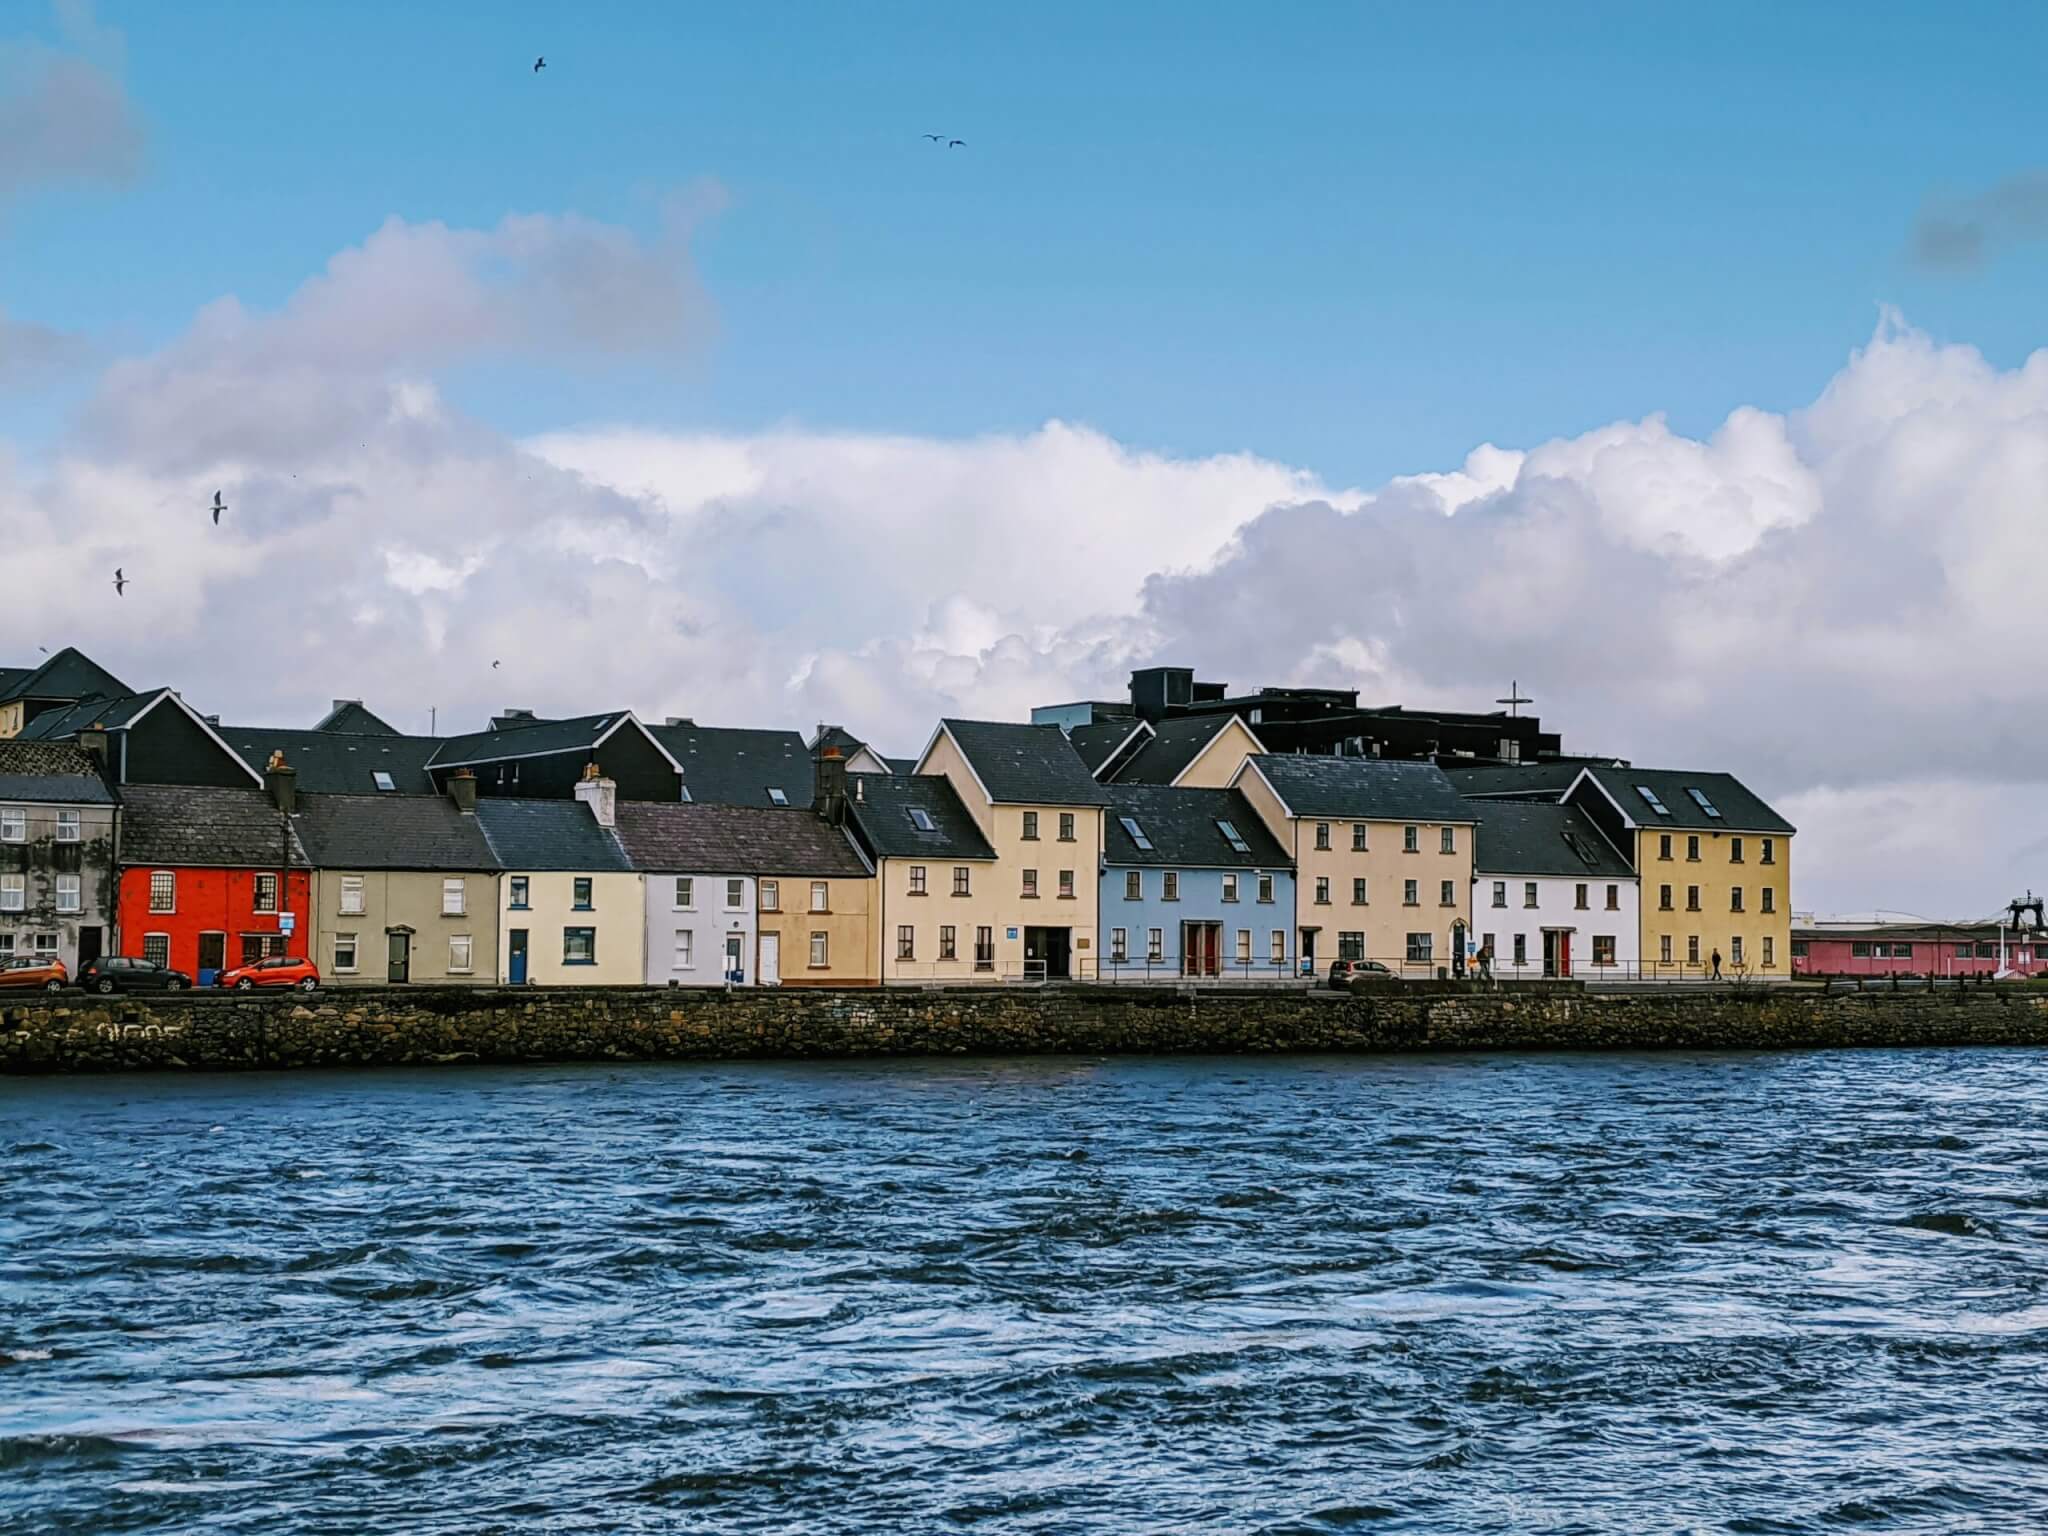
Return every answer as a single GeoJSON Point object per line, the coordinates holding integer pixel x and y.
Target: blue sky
{"type": "Point", "coordinates": [1358, 239]}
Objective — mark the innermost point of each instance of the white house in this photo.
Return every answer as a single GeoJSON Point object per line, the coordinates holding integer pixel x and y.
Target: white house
{"type": "Point", "coordinates": [1551, 895]}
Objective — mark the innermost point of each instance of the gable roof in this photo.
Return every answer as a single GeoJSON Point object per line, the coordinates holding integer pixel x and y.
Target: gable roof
{"type": "Point", "coordinates": [1023, 764]}
{"type": "Point", "coordinates": [543, 738]}
{"type": "Point", "coordinates": [69, 674]}
{"type": "Point", "coordinates": [51, 772]}
{"type": "Point", "coordinates": [900, 765]}
{"type": "Point", "coordinates": [1740, 811]}
{"type": "Point", "coordinates": [549, 835]}
{"type": "Point", "coordinates": [880, 809]}
{"type": "Point", "coordinates": [390, 832]}
{"type": "Point", "coordinates": [1180, 824]}
{"type": "Point", "coordinates": [224, 828]}
{"type": "Point", "coordinates": [1173, 746]}
{"type": "Point", "coordinates": [1100, 741]}
{"type": "Point", "coordinates": [1527, 781]}
{"type": "Point", "coordinates": [1533, 837]}
{"type": "Point", "coordinates": [123, 714]}
{"type": "Point", "coordinates": [338, 763]}
{"type": "Point", "coordinates": [349, 718]}
{"type": "Point", "coordinates": [1362, 788]}
{"type": "Point", "coordinates": [736, 839]}
{"type": "Point", "coordinates": [734, 765]}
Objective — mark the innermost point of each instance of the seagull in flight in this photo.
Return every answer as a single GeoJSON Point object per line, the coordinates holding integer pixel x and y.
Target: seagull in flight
{"type": "Point", "coordinates": [540, 64]}
{"type": "Point", "coordinates": [955, 143]}
{"type": "Point", "coordinates": [936, 138]}
{"type": "Point", "coordinates": [494, 666]}
{"type": "Point", "coordinates": [120, 583]}
{"type": "Point", "coordinates": [219, 507]}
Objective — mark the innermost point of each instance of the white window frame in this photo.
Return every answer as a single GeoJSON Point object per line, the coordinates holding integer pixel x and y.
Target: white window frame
{"type": "Point", "coordinates": [1155, 945]}
{"type": "Point", "coordinates": [13, 893]}
{"type": "Point", "coordinates": [821, 950]}
{"type": "Point", "coordinates": [350, 899]}
{"type": "Point", "coordinates": [70, 893]}
{"type": "Point", "coordinates": [683, 951]}
{"type": "Point", "coordinates": [13, 824]}
{"type": "Point", "coordinates": [461, 954]}
{"type": "Point", "coordinates": [454, 889]}
{"type": "Point", "coordinates": [735, 895]}
{"type": "Point", "coordinates": [771, 895]}
{"type": "Point", "coordinates": [1277, 946]}
{"type": "Point", "coordinates": [157, 947]}
{"type": "Point", "coordinates": [685, 896]}
{"type": "Point", "coordinates": [1244, 946]}
{"type": "Point", "coordinates": [70, 826]}
{"type": "Point", "coordinates": [167, 881]}
{"type": "Point", "coordinates": [346, 942]}
{"type": "Point", "coordinates": [821, 896]}
{"type": "Point", "coordinates": [1229, 887]}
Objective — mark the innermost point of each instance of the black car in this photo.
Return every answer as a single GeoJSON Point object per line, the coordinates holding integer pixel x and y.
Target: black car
{"type": "Point", "coordinates": [119, 973]}
{"type": "Point", "coordinates": [1344, 972]}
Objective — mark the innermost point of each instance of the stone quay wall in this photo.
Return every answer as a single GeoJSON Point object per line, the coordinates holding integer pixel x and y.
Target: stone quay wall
{"type": "Point", "coordinates": [70, 1032]}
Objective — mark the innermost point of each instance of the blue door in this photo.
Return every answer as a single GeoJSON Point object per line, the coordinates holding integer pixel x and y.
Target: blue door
{"type": "Point", "coordinates": [518, 971]}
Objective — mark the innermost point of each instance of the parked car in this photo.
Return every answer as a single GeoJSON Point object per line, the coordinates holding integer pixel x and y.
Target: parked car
{"type": "Point", "coordinates": [121, 973]}
{"type": "Point", "coordinates": [1344, 972]}
{"type": "Point", "coordinates": [277, 971]}
{"type": "Point", "coordinates": [48, 974]}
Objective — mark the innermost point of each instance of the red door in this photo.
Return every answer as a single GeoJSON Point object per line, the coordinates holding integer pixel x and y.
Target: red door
{"type": "Point", "coordinates": [1564, 954]}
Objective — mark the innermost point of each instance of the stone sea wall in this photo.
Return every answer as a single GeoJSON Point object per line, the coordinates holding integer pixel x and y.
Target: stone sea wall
{"type": "Point", "coordinates": [399, 1026]}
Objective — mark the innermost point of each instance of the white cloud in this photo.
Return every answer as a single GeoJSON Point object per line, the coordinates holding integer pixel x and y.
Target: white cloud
{"type": "Point", "coordinates": [63, 113]}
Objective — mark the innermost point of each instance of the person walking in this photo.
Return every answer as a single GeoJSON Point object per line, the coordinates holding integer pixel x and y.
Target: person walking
{"type": "Point", "coordinates": [1717, 965]}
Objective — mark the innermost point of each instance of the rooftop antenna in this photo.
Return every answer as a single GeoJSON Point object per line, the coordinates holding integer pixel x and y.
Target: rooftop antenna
{"type": "Point", "coordinates": [1514, 700]}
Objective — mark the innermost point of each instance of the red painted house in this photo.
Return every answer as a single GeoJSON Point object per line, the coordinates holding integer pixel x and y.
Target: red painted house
{"type": "Point", "coordinates": [1914, 949]}
{"type": "Point", "coordinates": [211, 877]}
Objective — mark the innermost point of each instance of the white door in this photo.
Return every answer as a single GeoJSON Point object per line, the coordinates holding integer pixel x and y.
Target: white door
{"type": "Point", "coordinates": [771, 959]}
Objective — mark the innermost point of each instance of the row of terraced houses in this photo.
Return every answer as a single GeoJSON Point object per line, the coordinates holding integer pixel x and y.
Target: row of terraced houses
{"type": "Point", "coordinates": [1183, 833]}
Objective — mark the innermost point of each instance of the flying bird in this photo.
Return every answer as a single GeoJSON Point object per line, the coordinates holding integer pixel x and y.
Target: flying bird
{"type": "Point", "coordinates": [120, 583]}
{"type": "Point", "coordinates": [219, 507]}
{"type": "Point", "coordinates": [936, 138]}
{"type": "Point", "coordinates": [540, 64]}
{"type": "Point", "coordinates": [955, 143]}
{"type": "Point", "coordinates": [494, 666]}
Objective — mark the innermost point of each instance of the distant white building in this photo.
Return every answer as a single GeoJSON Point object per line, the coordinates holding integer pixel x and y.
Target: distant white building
{"type": "Point", "coordinates": [1551, 895]}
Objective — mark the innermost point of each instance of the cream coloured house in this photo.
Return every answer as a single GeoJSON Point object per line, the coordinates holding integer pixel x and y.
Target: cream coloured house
{"type": "Point", "coordinates": [570, 910]}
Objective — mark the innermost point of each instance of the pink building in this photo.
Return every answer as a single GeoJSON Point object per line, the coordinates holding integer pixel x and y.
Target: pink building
{"type": "Point", "coordinates": [1913, 949]}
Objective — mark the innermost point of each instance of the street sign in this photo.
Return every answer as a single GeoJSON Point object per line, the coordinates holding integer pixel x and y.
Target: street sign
{"type": "Point", "coordinates": [287, 922]}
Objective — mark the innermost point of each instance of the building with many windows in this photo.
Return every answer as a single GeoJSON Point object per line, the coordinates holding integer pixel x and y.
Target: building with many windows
{"type": "Point", "coordinates": [1551, 897]}
{"type": "Point", "coordinates": [569, 902]}
{"type": "Point", "coordinates": [57, 875]}
{"type": "Point", "coordinates": [936, 902]}
{"type": "Point", "coordinates": [1193, 884]}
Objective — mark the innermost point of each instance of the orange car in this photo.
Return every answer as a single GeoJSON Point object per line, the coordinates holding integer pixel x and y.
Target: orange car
{"type": "Point", "coordinates": [277, 971]}
{"type": "Point", "coordinates": [49, 974]}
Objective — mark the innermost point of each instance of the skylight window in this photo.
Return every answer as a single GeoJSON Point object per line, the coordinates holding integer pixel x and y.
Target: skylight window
{"type": "Point", "coordinates": [686, 794]}
{"type": "Point", "coordinates": [1699, 798]}
{"type": "Point", "coordinates": [1233, 837]}
{"type": "Point", "coordinates": [1137, 833]}
{"type": "Point", "coordinates": [1650, 795]}
{"type": "Point", "coordinates": [776, 796]}
{"type": "Point", "coordinates": [383, 780]}
{"type": "Point", "coordinates": [921, 818]}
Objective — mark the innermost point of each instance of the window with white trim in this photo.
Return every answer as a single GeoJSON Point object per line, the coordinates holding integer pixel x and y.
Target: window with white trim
{"type": "Point", "coordinates": [821, 951]}
{"type": "Point", "coordinates": [68, 826]}
{"type": "Point", "coordinates": [1119, 944]}
{"type": "Point", "coordinates": [266, 893]}
{"type": "Point", "coordinates": [163, 890]}
{"type": "Point", "coordinates": [13, 893]}
{"type": "Point", "coordinates": [69, 897]}
{"type": "Point", "coordinates": [1155, 944]}
{"type": "Point", "coordinates": [461, 953]}
{"type": "Point", "coordinates": [345, 953]}
{"type": "Point", "coordinates": [684, 952]}
{"type": "Point", "coordinates": [13, 824]}
{"type": "Point", "coordinates": [686, 893]}
{"type": "Point", "coordinates": [735, 895]}
{"type": "Point", "coordinates": [821, 895]}
{"type": "Point", "coordinates": [156, 948]}
{"type": "Point", "coordinates": [454, 897]}
{"type": "Point", "coordinates": [351, 895]}
{"type": "Point", "coordinates": [771, 895]}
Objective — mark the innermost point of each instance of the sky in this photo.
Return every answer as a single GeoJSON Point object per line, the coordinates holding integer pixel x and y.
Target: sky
{"type": "Point", "coordinates": [1681, 367]}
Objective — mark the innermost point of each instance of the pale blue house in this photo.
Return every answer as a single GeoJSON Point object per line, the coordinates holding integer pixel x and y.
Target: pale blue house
{"type": "Point", "coordinates": [1192, 885]}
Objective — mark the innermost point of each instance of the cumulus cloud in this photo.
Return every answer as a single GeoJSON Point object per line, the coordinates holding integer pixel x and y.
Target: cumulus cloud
{"type": "Point", "coordinates": [1961, 233]}
{"type": "Point", "coordinates": [64, 115]}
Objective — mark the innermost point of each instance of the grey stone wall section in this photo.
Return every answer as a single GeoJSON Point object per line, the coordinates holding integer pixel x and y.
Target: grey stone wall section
{"type": "Point", "coordinates": [70, 1032]}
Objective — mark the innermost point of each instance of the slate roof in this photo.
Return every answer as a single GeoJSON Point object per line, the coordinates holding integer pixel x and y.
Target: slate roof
{"type": "Point", "coordinates": [70, 674]}
{"type": "Point", "coordinates": [880, 808]}
{"type": "Point", "coordinates": [349, 718]}
{"type": "Point", "coordinates": [1740, 810]}
{"type": "Point", "coordinates": [735, 840]}
{"type": "Point", "coordinates": [1529, 837]}
{"type": "Point", "coordinates": [540, 739]}
{"type": "Point", "coordinates": [1025, 764]}
{"type": "Point", "coordinates": [176, 824]}
{"type": "Point", "coordinates": [1365, 788]}
{"type": "Point", "coordinates": [49, 772]}
{"type": "Point", "coordinates": [391, 832]}
{"type": "Point", "coordinates": [1181, 826]}
{"type": "Point", "coordinates": [111, 714]}
{"type": "Point", "coordinates": [1528, 781]}
{"type": "Point", "coordinates": [900, 765]}
{"type": "Point", "coordinates": [733, 765]}
{"type": "Point", "coordinates": [1097, 742]}
{"type": "Point", "coordinates": [1174, 744]}
{"type": "Point", "coordinates": [335, 763]}
{"type": "Point", "coordinates": [549, 834]}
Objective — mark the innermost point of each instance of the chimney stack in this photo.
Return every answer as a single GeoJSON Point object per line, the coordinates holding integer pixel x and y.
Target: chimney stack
{"type": "Point", "coordinates": [600, 794]}
{"type": "Point", "coordinates": [92, 741]}
{"type": "Point", "coordinates": [462, 790]}
{"type": "Point", "coordinates": [282, 780]}
{"type": "Point", "coordinates": [828, 776]}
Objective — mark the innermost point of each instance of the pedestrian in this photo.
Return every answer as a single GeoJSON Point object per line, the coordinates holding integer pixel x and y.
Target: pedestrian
{"type": "Point", "coordinates": [1717, 965]}
{"type": "Point", "coordinates": [1486, 961]}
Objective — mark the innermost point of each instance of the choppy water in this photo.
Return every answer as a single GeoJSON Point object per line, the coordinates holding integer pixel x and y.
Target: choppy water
{"type": "Point", "coordinates": [1592, 1294]}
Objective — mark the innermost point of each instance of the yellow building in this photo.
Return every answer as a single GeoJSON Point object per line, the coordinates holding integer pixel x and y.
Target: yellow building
{"type": "Point", "coordinates": [1036, 805]}
{"type": "Point", "coordinates": [570, 904]}
{"type": "Point", "coordinates": [1382, 856]}
{"type": "Point", "coordinates": [1715, 864]}
{"type": "Point", "coordinates": [936, 902]}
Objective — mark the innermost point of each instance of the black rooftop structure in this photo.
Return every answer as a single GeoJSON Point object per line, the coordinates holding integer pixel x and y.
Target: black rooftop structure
{"type": "Point", "coordinates": [1184, 828]}
{"type": "Point", "coordinates": [349, 718]}
{"type": "Point", "coordinates": [731, 765]}
{"type": "Point", "coordinates": [340, 763]}
{"type": "Point", "coordinates": [911, 816]}
{"type": "Point", "coordinates": [737, 840]}
{"type": "Point", "coordinates": [1526, 837]}
{"type": "Point", "coordinates": [550, 835]}
{"type": "Point", "coordinates": [416, 832]}
{"type": "Point", "coordinates": [64, 678]}
{"type": "Point", "coordinates": [153, 737]}
{"type": "Point", "coordinates": [1364, 789]}
{"type": "Point", "coordinates": [1170, 747]}
{"type": "Point", "coordinates": [1105, 744]}
{"type": "Point", "coordinates": [1546, 780]}
{"type": "Point", "coordinates": [1659, 798]}
{"type": "Point", "coordinates": [547, 758]}
{"type": "Point", "coordinates": [1024, 764]}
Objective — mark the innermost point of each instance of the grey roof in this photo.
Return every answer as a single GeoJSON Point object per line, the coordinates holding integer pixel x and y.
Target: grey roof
{"type": "Point", "coordinates": [541, 739]}
{"type": "Point", "coordinates": [881, 809]}
{"type": "Point", "coordinates": [1365, 788]}
{"type": "Point", "coordinates": [900, 765]}
{"type": "Point", "coordinates": [334, 763]}
{"type": "Point", "coordinates": [1180, 824]}
{"type": "Point", "coordinates": [1740, 810]}
{"type": "Point", "coordinates": [1097, 742]}
{"type": "Point", "coordinates": [112, 714]}
{"type": "Point", "coordinates": [350, 718]}
{"type": "Point", "coordinates": [47, 771]}
{"type": "Point", "coordinates": [70, 674]}
{"type": "Point", "coordinates": [1527, 781]}
{"type": "Point", "coordinates": [1025, 764]}
{"type": "Point", "coordinates": [549, 834]}
{"type": "Point", "coordinates": [1529, 837]}
{"type": "Point", "coordinates": [182, 824]}
{"type": "Point", "coordinates": [733, 765]}
{"type": "Point", "coordinates": [391, 832]}
{"type": "Point", "coordinates": [1174, 743]}
{"type": "Point", "coordinates": [735, 839]}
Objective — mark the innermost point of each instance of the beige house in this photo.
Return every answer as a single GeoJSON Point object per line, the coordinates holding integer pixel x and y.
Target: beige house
{"type": "Point", "coordinates": [1382, 852]}
{"type": "Point", "coordinates": [1037, 806]}
{"type": "Point", "coordinates": [569, 902]}
{"type": "Point", "coordinates": [936, 906]}
{"type": "Point", "coordinates": [405, 889]}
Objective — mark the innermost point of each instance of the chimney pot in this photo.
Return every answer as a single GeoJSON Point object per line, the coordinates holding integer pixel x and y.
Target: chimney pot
{"type": "Point", "coordinates": [462, 790]}
{"type": "Point", "coordinates": [828, 780]}
{"type": "Point", "coordinates": [282, 780]}
{"type": "Point", "coordinates": [600, 794]}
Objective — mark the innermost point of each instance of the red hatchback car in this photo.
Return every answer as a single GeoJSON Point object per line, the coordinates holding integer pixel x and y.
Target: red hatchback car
{"type": "Point", "coordinates": [278, 971]}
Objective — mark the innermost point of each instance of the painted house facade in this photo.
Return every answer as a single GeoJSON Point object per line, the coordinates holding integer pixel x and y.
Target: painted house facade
{"type": "Point", "coordinates": [1917, 949]}
{"type": "Point", "coordinates": [1552, 898]}
{"type": "Point", "coordinates": [935, 899]}
{"type": "Point", "coordinates": [1193, 885]}
{"type": "Point", "coordinates": [570, 905]}
{"type": "Point", "coordinates": [58, 883]}
{"type": "Point", "coordinates": [1715, 863]}
{"type": "Point", "coordinates": [1036, 804]}
{"type": "Point", "coordinates": [1382, 853]}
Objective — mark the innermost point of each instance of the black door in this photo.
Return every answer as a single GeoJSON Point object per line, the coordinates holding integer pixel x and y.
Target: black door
{"type": "Point", "coordinates": [1051, 947]}
{"type": "Point", "coordinates": [213, 956]}
{"type": "Point", "coordinates": [88, 945]}
{"type": "Point", "coordinates": [400, 968]}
